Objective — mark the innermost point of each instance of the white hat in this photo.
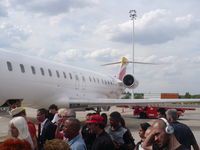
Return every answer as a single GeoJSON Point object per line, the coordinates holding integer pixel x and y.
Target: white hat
{"type": "Point", "coordinates": [16, 111]}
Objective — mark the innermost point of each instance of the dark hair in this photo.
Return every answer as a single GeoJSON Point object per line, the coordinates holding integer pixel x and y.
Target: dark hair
{"type": "Point", "coordinates": [161, 111]}
{"type": "Point", "coordinates": [145, 126]}
{"type": "Point", "coordinates": [43, 111]}
{"type": "Point", "coordinates": [122, 121]}
{"type": "Point", "coordinates": [76, 124]}
{"type": "Point", "coordinates": [89, 114]}
{"type": "Point", "coordinates": [105, 118]}
{"type": "Point", "coordinates": [53, 106]}
{"type": "Point", "coordinates": [116, 115]}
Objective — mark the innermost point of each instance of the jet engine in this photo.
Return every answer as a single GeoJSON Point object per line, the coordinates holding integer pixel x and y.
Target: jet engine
{"type": "Point", "coordinates": [130, 82]}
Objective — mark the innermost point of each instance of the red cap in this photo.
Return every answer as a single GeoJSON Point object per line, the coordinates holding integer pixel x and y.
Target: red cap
{"type": "Point", "coordinates": [95, 119]}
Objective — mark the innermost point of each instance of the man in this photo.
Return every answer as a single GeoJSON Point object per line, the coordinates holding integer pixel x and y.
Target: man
{"type": "Point", "coordinates": [182, 132]}
{"type": "Point", "coordinates": [120, 136]}
{"type": "Point", "coordinates": [161, 134]}
{"type": "Point", "coordinates": [103, 141]}
{"type": "Point", "coordinates": [87, 134]}
{"type": "Point", "coordinates": [21, 111]}
{"type": "Point", "coordinates": [47, 128]}
{"type": "Point", "coordinates": [53, 110]}
{"type": "Point", "coordinates": [63, 114]}
{"type": "Point", "coordinates": [71, 132]}
{"type": "Point", "coordinates": [161, 112]}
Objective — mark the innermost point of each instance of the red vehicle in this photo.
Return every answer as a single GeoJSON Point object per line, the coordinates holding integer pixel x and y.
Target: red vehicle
{"type": "Point", "coordinates": [151, 111]}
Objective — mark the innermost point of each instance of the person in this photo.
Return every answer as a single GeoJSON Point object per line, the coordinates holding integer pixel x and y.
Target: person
{"type": "Point", "coordinates": [53, 113]}
{"type": "Point", "coordinates": [161, 112]}
{"type": "Point", "coordinates": [18, 129]}
{"type": "Point", "coordinates": [47, 128]}
{"type": "Point", "coordinates": [119, 134]}
{"type": "Point", "coordinates": [130, 137]}
{"type": "Point", "coordinates": [56, 144]}
{"type": "Point", "coordinates": [15, 144]}
{"type": "Point", "coordinates": [63, 114]}
{"type": "Point", "coordinates": [71, 113]}
{"type": "Point", "coordinates": [71, 132]}
{"type": "Point", "coordinates": [103, 140]}
{"type": "Point", "coordinates": [21, 111]}
{"type": "Point", "coordinates": [162, 134]}
{"type": "Point", "coordinates": [142, 129]}
{"type": "Point", "coordinates": [182, 132]}
{"type": "Point", "coordinates": [87, 134]}
{"type": "Point", "coordinates": [105, 118]}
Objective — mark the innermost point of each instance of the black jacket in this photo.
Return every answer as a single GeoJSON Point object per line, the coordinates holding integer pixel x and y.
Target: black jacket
{"type": "Point", "coordinates": [48, 133]}
{"type": "Point", "coordinates": [103, 142]}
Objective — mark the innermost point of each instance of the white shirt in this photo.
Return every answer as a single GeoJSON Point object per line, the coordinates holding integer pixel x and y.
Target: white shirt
{"type": "Point", "coordinates": [55, 118]}
{"type": "Point", "coordinates": [42, 126]}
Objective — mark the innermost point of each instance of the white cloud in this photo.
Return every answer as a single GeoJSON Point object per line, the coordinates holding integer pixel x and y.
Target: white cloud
{"type": "Point", "coordinates": [3, 9]}
{"type": "Point", "coordinates": [50, 7]}
{"type": "Point", "coordinates": [155, 27]}
{"type": "Point", "coordinates": [67, 55]}
{"type": "Point", "coordinates": [11, 34]}
{"type": "Point", "coordinates": [107, 54]}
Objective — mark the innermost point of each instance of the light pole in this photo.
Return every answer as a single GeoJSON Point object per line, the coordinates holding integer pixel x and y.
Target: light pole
{"type": "Point", "coordinates": [132, 15]}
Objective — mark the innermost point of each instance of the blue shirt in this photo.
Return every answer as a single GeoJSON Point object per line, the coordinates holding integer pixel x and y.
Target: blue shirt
{"type": "Point", "coordinates": [77, 143]}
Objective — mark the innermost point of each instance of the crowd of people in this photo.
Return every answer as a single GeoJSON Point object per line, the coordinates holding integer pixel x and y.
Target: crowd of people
{"type": "Point", "coordinates": [59, 129]}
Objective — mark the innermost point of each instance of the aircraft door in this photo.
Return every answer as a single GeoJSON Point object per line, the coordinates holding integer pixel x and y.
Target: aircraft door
{"type": "Point", "coordinates": [77, 83]}
{"type": "Point", "coordinates": [83, 85]}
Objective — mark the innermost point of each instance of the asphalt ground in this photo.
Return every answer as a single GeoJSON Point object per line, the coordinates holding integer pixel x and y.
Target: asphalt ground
{"type": "Point", "coordinates": [191, 118]}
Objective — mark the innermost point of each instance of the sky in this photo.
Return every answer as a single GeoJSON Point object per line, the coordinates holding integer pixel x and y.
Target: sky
{"type": "Point", "coordinates": [89, 33]}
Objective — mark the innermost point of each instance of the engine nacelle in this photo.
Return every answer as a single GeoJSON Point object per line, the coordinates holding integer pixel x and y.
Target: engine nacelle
{"type": "Point", "coordinates": [130, 82]}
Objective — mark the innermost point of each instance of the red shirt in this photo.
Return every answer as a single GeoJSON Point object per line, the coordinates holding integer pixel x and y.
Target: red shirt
{"type": "Point", "coordinates": [31, 128]}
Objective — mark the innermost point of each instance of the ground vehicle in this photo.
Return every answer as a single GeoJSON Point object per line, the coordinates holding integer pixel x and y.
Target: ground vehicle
{"type": "Point", "coordinates": [151, 111]}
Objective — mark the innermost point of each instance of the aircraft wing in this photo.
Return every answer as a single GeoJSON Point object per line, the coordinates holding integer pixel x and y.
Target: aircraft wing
{"type": "Point", "coordinates": [132, 102]}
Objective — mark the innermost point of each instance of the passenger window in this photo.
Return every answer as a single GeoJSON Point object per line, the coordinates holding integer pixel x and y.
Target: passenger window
{"type": "Point", "coordinates": [64, 74]}
{"type": "Point", "coordinates": [57, 73]}
{"type": "Point", "coordinates": [50, 73]}
{"type": "Point", "coordinates": [22, 68]}
{"type": "Point", "coordinates": [90, 79]}
{"type": "Point", "coordinates": [94, 79]}
{"type": "Point", "coordinates": [9, 65]}
{"type": "Point", "coordinates": [70, 75]}
{"type": "Point", "coordinates": [42, 71]}
{"type": "Point", "coordinates": [33, 70]}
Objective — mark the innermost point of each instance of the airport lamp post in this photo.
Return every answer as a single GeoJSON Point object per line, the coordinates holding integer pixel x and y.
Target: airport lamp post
{"type": "Point", "coordinates": [132, 14]}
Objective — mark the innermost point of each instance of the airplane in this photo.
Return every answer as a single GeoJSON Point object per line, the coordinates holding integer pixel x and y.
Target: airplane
{"type": "Point", "coordinates": [39, 83]}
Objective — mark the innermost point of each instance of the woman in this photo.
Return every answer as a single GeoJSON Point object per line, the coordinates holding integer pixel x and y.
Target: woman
{"type": "Point", "coordinates": [142, 129]}
{"type": "Point", "coordinates": [18, 129]}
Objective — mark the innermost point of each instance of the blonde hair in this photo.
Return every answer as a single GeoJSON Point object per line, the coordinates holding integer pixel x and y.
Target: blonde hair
{"type": "Point", "coordinates": [56, 144]}
{"type": "Point", "coordinates": [62, 111]}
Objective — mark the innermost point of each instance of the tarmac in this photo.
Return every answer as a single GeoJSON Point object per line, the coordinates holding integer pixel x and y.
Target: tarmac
{"type": "Point", "coordinates": [191, 118]}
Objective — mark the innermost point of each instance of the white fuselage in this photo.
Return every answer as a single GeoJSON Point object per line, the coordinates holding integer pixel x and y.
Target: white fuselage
{"type": "Point", "coordinates": [41, 83]}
